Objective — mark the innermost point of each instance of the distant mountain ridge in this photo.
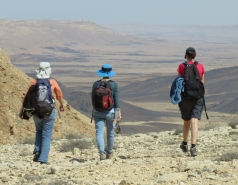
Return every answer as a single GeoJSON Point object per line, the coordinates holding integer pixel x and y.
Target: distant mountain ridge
{"type": "Point", "coordinates": [180, 32]}
{"type": "Point", "coordinates": [64, 37]}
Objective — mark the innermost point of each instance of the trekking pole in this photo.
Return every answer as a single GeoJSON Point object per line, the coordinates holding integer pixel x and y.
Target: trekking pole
{"type": "Point", "coordinates": [58, 112]}
{"type": "Point", "coordinates": [92, 116]}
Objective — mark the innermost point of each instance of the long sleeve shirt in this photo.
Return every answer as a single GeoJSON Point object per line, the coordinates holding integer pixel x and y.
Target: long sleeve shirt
{"type": "Point", "coordinates": [56, 91]}
{"type": "Point", "coordinates": [115, 91]}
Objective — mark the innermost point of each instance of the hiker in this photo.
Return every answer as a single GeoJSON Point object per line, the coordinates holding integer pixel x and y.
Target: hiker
{"type": "Point", "coordinates": [105, 100]}
{"type": "Point", "coordinates": [44, 122]}
{"type": "Point", "coordinates": [191, 108]}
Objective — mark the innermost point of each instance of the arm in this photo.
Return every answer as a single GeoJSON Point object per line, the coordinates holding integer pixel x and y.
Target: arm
{"type": "Point", "coordinates": [61, 105]}
{"type": "Point", "coordinates": [180, 69]}
{"type": "Point", "coordinates": [117, 101]}
{"type": "Point", "coordinates": [116, 96]}
{"type": "Point", "coordinates": [203, 77]}
{"type": "Point", "coordinates": [59, 94]}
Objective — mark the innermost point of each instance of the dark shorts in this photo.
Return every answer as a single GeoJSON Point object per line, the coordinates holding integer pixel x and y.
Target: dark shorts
{"type": "Point", "coordinates": [191, 108]}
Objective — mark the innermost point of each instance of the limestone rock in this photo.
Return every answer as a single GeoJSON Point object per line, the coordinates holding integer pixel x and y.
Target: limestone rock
{"type": "Point", "coordinates": [173, 177]}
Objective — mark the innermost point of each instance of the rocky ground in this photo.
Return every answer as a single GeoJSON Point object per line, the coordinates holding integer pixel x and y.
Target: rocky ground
{"type": "Point", "coordinates": [145, 159]}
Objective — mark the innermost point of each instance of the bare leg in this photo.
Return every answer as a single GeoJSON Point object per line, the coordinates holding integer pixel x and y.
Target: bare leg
{"type": "Point", "coordinates": [194, 130]}
{"type": "Point", "coordinates": [186, 127]}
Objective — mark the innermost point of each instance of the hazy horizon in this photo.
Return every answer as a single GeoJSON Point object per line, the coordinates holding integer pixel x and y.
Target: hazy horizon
{"type": "Point", "coordinates": [105, 12]}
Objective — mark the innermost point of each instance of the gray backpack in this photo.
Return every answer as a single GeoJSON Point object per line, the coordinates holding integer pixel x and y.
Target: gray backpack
{"type": "Point", "coordinates": [45, 100]}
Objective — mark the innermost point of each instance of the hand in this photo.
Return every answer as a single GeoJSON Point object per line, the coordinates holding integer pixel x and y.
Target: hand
{"type": "Point", "coordinates": [20, 114]}
{"type": "Point", "coordinates": [61, 108]}
{"type": "Point", "coordinates": [118, 119]}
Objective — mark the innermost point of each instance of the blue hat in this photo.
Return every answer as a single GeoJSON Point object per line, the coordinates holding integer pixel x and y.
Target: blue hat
{"type": "Point", "coordinates": [106, 71]}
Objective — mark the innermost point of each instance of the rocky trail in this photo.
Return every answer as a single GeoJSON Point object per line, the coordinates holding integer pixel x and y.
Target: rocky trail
{"type": "Point", "coordinates": [145, 159]}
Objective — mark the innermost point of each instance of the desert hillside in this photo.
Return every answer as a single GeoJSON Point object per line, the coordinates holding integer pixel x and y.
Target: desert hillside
{"type": "Point", "coordinates": [14, 84]}
{"type": "Point", "coordinates": [140, 159]}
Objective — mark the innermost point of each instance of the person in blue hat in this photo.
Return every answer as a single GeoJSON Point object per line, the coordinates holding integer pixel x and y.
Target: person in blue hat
{"type": "Point", "coordinates": [105, 100]}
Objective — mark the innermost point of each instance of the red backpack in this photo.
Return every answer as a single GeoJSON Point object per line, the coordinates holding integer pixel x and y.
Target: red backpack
{"type": "Point", "coordinates": [103, 97]}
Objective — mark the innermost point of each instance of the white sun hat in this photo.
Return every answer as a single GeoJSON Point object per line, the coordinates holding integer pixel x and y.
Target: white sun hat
{"type": "Point", "coordinates": [43, 71]}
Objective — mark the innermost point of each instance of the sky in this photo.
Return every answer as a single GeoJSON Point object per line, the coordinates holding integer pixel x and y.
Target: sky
{"type": "Point", "coordinates": [107, 12]}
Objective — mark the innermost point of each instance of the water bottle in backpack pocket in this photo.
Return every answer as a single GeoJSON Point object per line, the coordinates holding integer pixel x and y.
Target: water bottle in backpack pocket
{"type": "Point", "coordinates": [45, 100]}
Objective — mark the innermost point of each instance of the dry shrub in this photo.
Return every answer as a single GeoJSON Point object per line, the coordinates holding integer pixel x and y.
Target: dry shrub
{"type": "Point", "coordinates": [233, 124]}
{"type": "Point", "coordinates": [74, 136]}
{"type": "Point", "coordinates": [32, 177]}
{"type": "Point", "coordinates": [28, 140]}
{"type": "Point", "coordinates": [233, 133]}
{"type": "Point", "coordinates": [229, 156]}
{"type": "Point", "coordinates": [212, 125]}
{"type": "Point", "coordinates": [178, 131]}
{"type": "Point", "coordinates": [25, 153]}
{"type": "Point", "coordinates": [69, 145]}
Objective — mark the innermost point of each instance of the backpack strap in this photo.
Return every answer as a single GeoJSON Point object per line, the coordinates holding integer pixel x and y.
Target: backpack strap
{"type": "Point", "coordinates": [92, 115]}
{"type": "Point", "coordinates": [204, 103]}
{"type": "Point", "coordinates": [194, 68]}
{"type": "Point", "coordinates": [187, 64]}
{"type": "Point", "coordinates": [107, 82]}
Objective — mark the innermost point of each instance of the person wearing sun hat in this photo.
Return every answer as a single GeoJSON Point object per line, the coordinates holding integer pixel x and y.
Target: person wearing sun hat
{"type": "Point", "coordinates": [105, 118]}
{"type": "Point", "coordinates": [44, 125]}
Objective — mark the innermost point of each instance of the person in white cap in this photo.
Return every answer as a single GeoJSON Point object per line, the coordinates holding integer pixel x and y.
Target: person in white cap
{"type": "Point", "coordinates": [44, 126]}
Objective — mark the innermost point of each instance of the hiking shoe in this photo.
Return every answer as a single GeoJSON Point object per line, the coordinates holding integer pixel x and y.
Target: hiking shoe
{"type": "Point", "coordinates": [184, 147]}
{"type": "Point", "coordinates": [109, 156]}
{"type": "Point", "coordinates": [102, 156]}
{"type": "Point", "coordinates": [36, 156]}
{"type": "Point", "coordinates": [193, 151]}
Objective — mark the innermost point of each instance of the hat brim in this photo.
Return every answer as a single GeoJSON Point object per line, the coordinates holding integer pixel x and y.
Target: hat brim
{"type": "Point", "coordinates": [106, 74]}
{"type": "Point", "coordinates": [42, 75]}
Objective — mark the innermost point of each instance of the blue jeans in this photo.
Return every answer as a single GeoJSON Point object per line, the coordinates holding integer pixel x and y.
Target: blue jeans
{"type": "Point", "coordinates": [101, 119]}
{"type": "Point", "coordinates": [44, 128]}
